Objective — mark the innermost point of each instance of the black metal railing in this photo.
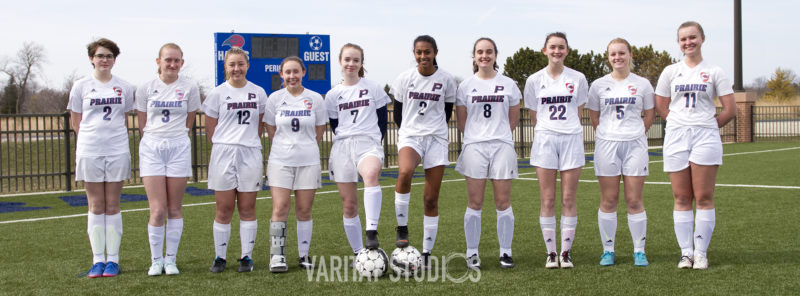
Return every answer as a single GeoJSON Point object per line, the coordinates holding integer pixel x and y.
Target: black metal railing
{"type": "Point", "coordinates": [775, 123]}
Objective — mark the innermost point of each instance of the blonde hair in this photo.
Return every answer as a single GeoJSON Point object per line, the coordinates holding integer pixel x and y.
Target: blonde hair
{"type": "Point", "coordinates": [692, 24]}
{"type": "Point", "coordinates": [628, 45]}
{"type": "Point", "coordinates": [234, 51]}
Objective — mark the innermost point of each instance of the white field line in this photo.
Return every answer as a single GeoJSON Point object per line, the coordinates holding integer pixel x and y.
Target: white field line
{"type": "Point", "coordinates": [413, 184]}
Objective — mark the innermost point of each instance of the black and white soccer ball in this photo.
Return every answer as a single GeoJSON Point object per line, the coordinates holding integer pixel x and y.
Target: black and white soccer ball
{"type": "Point", "coordinates": [372, 263]}
{"type": "Point", "coordinates": [406, 261]}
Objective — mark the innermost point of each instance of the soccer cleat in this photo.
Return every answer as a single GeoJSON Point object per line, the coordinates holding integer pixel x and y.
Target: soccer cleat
{"type": "Point", "coordinates": [372, 240]}
{"type": "Point", "coordinates": [551, 262]}
{"type": "Point", "coordinates": [305, 262]}
{"type": "Point", "coordinates": [685, 262]}
{"type": "Point", "coordinates": [352, 263]}
{"type": "Point", "coordinates": [219, 265]}
{"type": "Point", "coordinates": [609, 258]}
{"type": "Point", "coordinates": [639, 259]}
{"type": "Point", "coordinates": [156, 268]}
{"type": "Point", "coordinates": [277, 263]}
{"type": "Point", "coordinates": [246, 264]}
{"type": "Point", "coordinates": [402, 237]}
{"type": "Point", "coordinates": [97, 270]}
{"type": "Point", "coordinates": [565, 260]}
{"type": "Point", "coordinates": [700, 261]}
{"type": "Point", "coordinates": [426, 261]}
{"type": "Point", "coordinates": [474, 262]}
{"type": "Point", "coordinates": [170, 268]}
{"type": "Point", "coordinates": [111, 270]}
{"type": "Point", "coordinates": [506, 261]}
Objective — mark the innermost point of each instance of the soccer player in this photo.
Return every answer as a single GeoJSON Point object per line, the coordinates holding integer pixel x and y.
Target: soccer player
{"type": "Point", "coordinates": [166, 109]}
{"type": "Point", "coordinates": [98, 105]}
{"type": "Point", "coordinates": [692, 146]}
{"type": "Point", "coordinates": [295, 120]}
{"type": "Point", "coordinates": [487, 110]}
{"type": "Point", "coordinates": [616, 103]}
{"type": "Point", "coordinates": [357, 112]}
{"type": "Point", "coordinates": [424, 98]}
{"type": "Point", "coordinates": [556, 95]}
{"type": "Point", "coordinates": [234, 111]}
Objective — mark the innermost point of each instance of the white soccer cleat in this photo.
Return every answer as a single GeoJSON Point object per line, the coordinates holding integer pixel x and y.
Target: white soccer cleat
{"type": "Point", "coordinates": [685, 262]}
{"type": "Point", "coordinates": [156, 268]}
{"type": "Point", "coordinates": [170, 268]}
{"type": "Point", "coordinates": [474, 262]}
{"type": "Point", "coordinates": [278, 264]}
{"type": "Point", "coordinates": [551, 262]}
{"type": "Point", "coordinates": [565, 260]}
{"type": "Point", "coordinates": [700, 262]}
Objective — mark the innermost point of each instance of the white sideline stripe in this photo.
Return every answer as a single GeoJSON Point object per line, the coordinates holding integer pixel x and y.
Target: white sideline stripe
{"type": "Point", "coordinates": [391, 186]}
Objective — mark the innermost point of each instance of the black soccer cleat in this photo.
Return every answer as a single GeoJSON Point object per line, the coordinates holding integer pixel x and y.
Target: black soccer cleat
{"type": "Point", "coordinates": [506, 261]}
{"type": "Point", "coordinates": [305, 262]}
{"type": "Point", "coordinates": [218, 266]}
{"type": "Point", "coordinates": [372, 240]}
{"type": "Point", "coordinates": [245, 264]}
{"type": "Point", "coordinates": [402, 237]}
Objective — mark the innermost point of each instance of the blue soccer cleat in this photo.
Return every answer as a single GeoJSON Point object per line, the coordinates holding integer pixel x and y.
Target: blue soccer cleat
{"type": "Point", "coordinates": [97, 270]}
{"type": "Point", "coordinates": [609, 258]}
{"type": "Point", "coordinates": [639, 259]}
{"type": "Point", "coordinates": [111, 270]}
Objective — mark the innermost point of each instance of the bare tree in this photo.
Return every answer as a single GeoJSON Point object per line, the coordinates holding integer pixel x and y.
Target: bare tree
{"type": "Point", "coordinates": [30, 59]}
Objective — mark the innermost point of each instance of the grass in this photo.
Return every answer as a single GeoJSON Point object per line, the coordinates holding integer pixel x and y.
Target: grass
{"type": "Point", "coordinates": [754, 250]}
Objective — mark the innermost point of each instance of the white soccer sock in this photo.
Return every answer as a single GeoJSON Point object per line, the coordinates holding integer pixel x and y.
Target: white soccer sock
{"type": "Point", "coordinates": [548, 225]}
{"type": "Point", "coordinates": [607, 222]}
{"type": "Point", "coordinates": [372, 206]}
{"type": "Point", "coordinates": [703, 229]}
{"type": "Point", "coordinates": [472, 230]}
{"type": "Point", "coordinates": [637, 223]}
{"type": "Point", "coordinates": [430, 227]}
{"type": "Point", "coordinates": [247, 235]}
{"type": "Point", "coordinates": [352, 228]}
{"type": "Point", "coordinates": [222, 235]}
{"type": "Point", "coordinates": [113, 236]}
{"type": "Point", "coordinates": [304, 236]}
{"type": "Point", "coordinates": [174, 232]}
{"type": "Point", "coordinates": [684, 221]}
{"type": "Point", "coordinates": [568, 225]}
{"type": "Point", "coordinates": [96, 228]}
{"type": "Point", "coordinates": [155, 234]}
{"type": "Point", "coordinates": [505, 230]}
{"type": "Point", "coordinates": [401, 201]}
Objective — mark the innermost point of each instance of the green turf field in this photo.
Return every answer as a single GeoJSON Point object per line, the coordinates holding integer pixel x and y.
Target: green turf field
{"type": "Point", "coordinates": [755, 248]}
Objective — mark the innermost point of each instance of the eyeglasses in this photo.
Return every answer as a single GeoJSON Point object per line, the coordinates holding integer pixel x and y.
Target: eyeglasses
{"type": "Point", "coordinates": [104, 56]}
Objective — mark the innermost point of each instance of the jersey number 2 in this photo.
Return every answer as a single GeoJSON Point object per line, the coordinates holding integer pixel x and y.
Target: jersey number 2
{"type": "Point", "coordinates": [555, 109]}
{"type": "Point", "coordinates": [107, 110]}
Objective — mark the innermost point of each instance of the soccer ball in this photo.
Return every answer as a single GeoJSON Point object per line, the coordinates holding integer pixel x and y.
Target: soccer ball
{"type": "Point", "coordinates": [406, 261]}
{"type": "Point", "coordinates": [371, 263]}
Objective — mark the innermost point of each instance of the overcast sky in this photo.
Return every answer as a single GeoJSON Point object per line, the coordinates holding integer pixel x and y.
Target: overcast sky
{"type": "Point", "coordinates": [386, 29]}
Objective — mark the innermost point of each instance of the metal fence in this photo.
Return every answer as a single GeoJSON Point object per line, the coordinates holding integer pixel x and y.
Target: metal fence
{"type": "Point", "coordinates": [37, 151]}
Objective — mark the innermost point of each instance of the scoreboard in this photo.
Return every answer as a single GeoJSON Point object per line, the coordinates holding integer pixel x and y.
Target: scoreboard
{"type": "Point", "coordinates": [267, 51]}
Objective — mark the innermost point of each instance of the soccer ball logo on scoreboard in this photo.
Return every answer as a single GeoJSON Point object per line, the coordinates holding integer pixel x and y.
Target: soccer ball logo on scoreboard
{"type": "Point", "coordinates": [315, 43]}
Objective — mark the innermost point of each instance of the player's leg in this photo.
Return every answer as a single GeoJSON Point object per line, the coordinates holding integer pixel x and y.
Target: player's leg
{"type": "Point", "coordinates": [472, 219]}
{"type": "Point", "coordinates": [113, 191]}
{"type": "Point", "coordinates": [176, 188]}
{"type": "Point", "coordinates": [156, 189]}
{"type": "Point", "coordinates": [505, 220]}
{"type": "Point", "coordinates": [352, 223]}
{"type": "Point", "coordinates": [226, 203]}
{"type": "Point", "coordinates": [430, 223]}
{"type": "Point", "coordinates": [303, 203]}
{"type": "Point", "coordinates": [607, 216]}
{"type": "Point", "coordinates": [281, 202]}
{"type": "Point", "coordinates": [569, 213]}
{"type": "Point", "coordinates": [407, 161]}
{"type": "Point", "coordinates": [704, 178]}
{"type": "Point", "coordinates": [369, 168]}
{"type": "Point", "coordinates": [547, 216]}
{"type": "Point", "coordinates": [637, 217]}
{"type": "Point", "coordinates": [96, 225]}
{"type": "Point", "coordinates": [682, 215]}
{"type": "Point", "coordinates": [248, 228]}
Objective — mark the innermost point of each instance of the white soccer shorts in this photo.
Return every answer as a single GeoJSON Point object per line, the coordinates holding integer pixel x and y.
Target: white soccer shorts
{"type": "Point", "coordinates": [493, 160]}
{"type": "Point", "coordinates": [110, 168]}
{"type": "Point", "coordinates": [165, 157]}
{"type": "Point", "coordinates": [614, 158]}
{"type": "Point", "coordinates": [235, 167]}
{"type": "Point", "coordinates": [698, 145]}
{"type": "Point", "coordinates": [347, 153]}
{"type": "Point", "coordinates": [556, 151]}
{"type": "Point", "coordinates": [431, 149]}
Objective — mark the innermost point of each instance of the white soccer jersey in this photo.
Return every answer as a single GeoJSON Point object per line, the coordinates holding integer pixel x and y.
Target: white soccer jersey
{"type": "Point", "coordinates": [295, 118]}
{"type": "Point", "coordinates": [423, 99]}
{"type": "Point", "coordinates": [487, 103]}
{"type": "Point", "coordinates": [692, 92]}
{"type": "Point", "coordinates": [167, 106]}
{"type": "Point", "coordinates": [355, 107]}
{"type": "Point", "coordinates": [236, 111]}
{"type": "Point", "coordinates": [556, 101]}
{"type": "Point", "coordinates": [620, 104]}
{"type": "Point", "coordinates": [103, 107]}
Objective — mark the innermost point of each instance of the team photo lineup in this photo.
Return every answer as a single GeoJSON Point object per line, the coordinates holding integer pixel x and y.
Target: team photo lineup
{"type": "Point", "coordinates": [622, 106]}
